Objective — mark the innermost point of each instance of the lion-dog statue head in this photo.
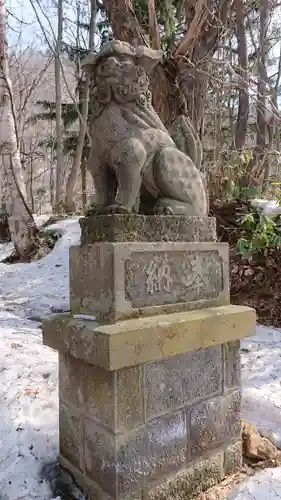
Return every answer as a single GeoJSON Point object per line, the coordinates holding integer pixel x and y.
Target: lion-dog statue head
{"type": "Point", "coordinates": [120, 73]}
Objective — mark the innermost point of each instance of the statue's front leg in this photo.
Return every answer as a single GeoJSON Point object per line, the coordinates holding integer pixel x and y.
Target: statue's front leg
{"type": "Point", "coordinates": [128, 168]}
{"type": "Point", "coordinates": [105, 184]}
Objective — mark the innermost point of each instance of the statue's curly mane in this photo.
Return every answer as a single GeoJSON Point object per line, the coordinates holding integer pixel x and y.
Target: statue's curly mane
{"type": "Point", "coordinates": [121, 87]}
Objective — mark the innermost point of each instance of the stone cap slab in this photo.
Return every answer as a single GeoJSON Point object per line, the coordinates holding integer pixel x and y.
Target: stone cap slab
{"type": "Point", "coordinates": [142, 228]}
{"type": "Point", "coordinates": [136, 341]}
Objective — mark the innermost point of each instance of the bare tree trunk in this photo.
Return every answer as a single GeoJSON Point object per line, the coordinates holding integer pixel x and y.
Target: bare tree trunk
{"type": "Point", "coordinates": [243, 107]}
{"type": "Point", "coordinates": [84, 180]}
{"type": "Point", "coordinates": [274, 124]}
{"type": "Point", "coordinates": [189, 64]}
{"type": "Point", "coordinates": [59, 130]}
{"type": "Point", "coordinates": [21, 223]}
{"type": "Point", "coordinates": [258, 167]}
{"type": "Point", "coordinates": [262, 76]}
{"type": "Point", "coordinates": [260, 153]}
{"type": "Point", "coordinates": [73, 176]}
{"type": "Point", "coordinates": [194, 82]}
{"type": "Point", "coordinates": [125, 25]}
{"type": "Point", "coordinates": [154, 34]}
{"type": "Point", "coordinates": [52, 175]}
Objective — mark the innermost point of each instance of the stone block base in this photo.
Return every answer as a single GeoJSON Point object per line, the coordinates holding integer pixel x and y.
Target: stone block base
{"type": "Point", "coordinates": [197, 477]}
{"type": "Point", "coordinates": [141, 430]}
{"type": "Point", "coordinates": [133, 228]}
{"type": "Point", "coordinates": [157, 416]}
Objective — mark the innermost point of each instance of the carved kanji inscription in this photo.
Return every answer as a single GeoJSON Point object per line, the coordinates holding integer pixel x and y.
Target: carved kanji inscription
{"type": "Point", "coordinates": [155, 278]}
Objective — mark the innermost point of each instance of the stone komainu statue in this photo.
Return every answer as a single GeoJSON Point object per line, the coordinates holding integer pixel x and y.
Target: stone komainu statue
{"type": "Point", "coordinates": [131, 148]}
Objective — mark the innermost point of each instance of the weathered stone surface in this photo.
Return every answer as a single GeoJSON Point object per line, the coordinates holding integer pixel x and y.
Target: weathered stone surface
{"type": "Point", "coordinates": [136, 341]}
{"type": "Point", "coordinates": [100, 457]}
{"type": "Point", "coordinates": [145, 228]}
{"type": "Point", "coordinates": [70, 428]}
{"type": "Point", "coordinates": [171, 277]}
{"type": "Point", "coordinates": [196, 478]}
{"type": "Point", "coordinates": [114, 399]}
{"type": "Point", "coordinates": [214, 423]}
{"type": "Point", "coordinates": [181, 380]}
{"type": "Point", "coordinates": [131, 456]}
{"type": "Point", "coordinates": [232, 365]}
{"type": "Point", "coordinates": [87, 388]}
{"type": "Point", "coordinates": [129, 398]}
{"type": "Point", "coordinates": [92, 280]}
{"type": "Point", "coordinates": [117, 465]}
{"type": "Point", "coordinates": [141, 155]}
{"type": "Point", "coordinates": [166, 445]}
{"type": "Point", "coordinates": [114, 281]}
{"type": "Point", "coordinates": [233, 457]}
{"type": "Point", "coordinates": [89, 487]}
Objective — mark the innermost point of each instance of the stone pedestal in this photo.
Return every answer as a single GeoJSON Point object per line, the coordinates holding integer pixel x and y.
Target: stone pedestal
{"type": "Point", "coordinates": [150, 386]}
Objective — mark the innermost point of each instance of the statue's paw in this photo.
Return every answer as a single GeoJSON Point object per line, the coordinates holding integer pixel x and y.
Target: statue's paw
{"type": "Point", "coordinates": [163, 210]}
{"type": "Point", "coordinates": [94, 210]}
{"type": "Point", "coordinates": [116, 209]}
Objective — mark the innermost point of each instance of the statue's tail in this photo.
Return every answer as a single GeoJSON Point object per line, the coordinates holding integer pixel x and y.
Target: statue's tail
{"type": "Point", "coordinates": [187, 139]}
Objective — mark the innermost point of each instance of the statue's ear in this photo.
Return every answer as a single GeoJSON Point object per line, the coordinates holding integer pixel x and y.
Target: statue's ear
{"type": "Point", "coordinates": [148, 58]}
{"type": "Point", "coordinates": [89, 62]}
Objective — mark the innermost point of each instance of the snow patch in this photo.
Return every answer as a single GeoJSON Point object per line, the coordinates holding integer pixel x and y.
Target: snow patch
{"type": "Point", "coordinates": [265, 485]}
{"type": "Point", "coordinates": [28, 370]}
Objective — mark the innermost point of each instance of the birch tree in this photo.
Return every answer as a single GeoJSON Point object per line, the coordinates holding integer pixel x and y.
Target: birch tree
{"type": "Point", "coordinates": [59, 131]}
{"type": "Point", "coordinates": [21, 223]}
{"type": "Point", "coordinates": [73, 176]}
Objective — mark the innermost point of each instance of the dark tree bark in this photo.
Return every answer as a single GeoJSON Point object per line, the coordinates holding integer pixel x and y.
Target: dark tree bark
{"type": "Point", "coordinates": [83, 170]}
{"type": "Point", "coordinates": [259, 165]}
{"type": "Point", "coordinates": [243, 102]}
{"type": "Point", "coordinates": [186, 70]}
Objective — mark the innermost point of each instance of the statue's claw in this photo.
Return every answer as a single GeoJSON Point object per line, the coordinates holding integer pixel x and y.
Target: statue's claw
{"type": "Point", "coordinates": [116, 209]}
{"type": "Point", "coordinates": [94, 210]}
{"type": "Point", "coordinates": [105, 210]}
{"type": "Point", "coordinates": [163, 210]}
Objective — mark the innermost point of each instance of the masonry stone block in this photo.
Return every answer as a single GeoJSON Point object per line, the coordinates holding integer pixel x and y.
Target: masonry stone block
{"type": "Point", "coordinates": [116, 464]}
{"type": "Point", "coordinates": [233, 457]}
{"type": "Point", "coordinates": [70, 427]}
{"type": "Point", "coordinates": [166, 445]}
{"type": "Point", "coordinates": [196, 478]}
{"type": "Point", "coordinates": [113, 398]}
{"type": "Point", "coordinates": [232, 365]}
{"type": "Point", "coordinates": [143, 228]}
{"type": "Point", "coordinates": [177, 381]}
{"type": "Point", "coordinates": [214, 423]}
{"type": "Point", "coordinates": [136, 341]}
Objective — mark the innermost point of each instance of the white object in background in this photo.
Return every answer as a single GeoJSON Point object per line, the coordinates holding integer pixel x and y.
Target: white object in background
{"type": "Point", "coordinates": [84, 316]}
{"type": "Point", "coordinates": [269, 207]}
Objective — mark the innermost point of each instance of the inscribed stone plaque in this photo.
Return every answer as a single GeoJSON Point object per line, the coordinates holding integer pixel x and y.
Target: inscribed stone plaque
{"type": "Point", "coordinates": [114, 281]}
{"type": "Point", "coordinates": [156, 278]}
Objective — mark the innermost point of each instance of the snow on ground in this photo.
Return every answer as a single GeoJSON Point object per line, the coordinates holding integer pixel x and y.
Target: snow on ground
{"type": "Point", "coordinates": [28, 377]}
{"type": "Point", "coordinates": [28, 370]}
{"type": "Point", "coordinates": [261, 405]}
{"type": "Point", "coordinates": [261, 378]}
{"type": "Point", "coordinates": [265, 485]}
{"type": "Point", "coordinates": [34, 289]}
